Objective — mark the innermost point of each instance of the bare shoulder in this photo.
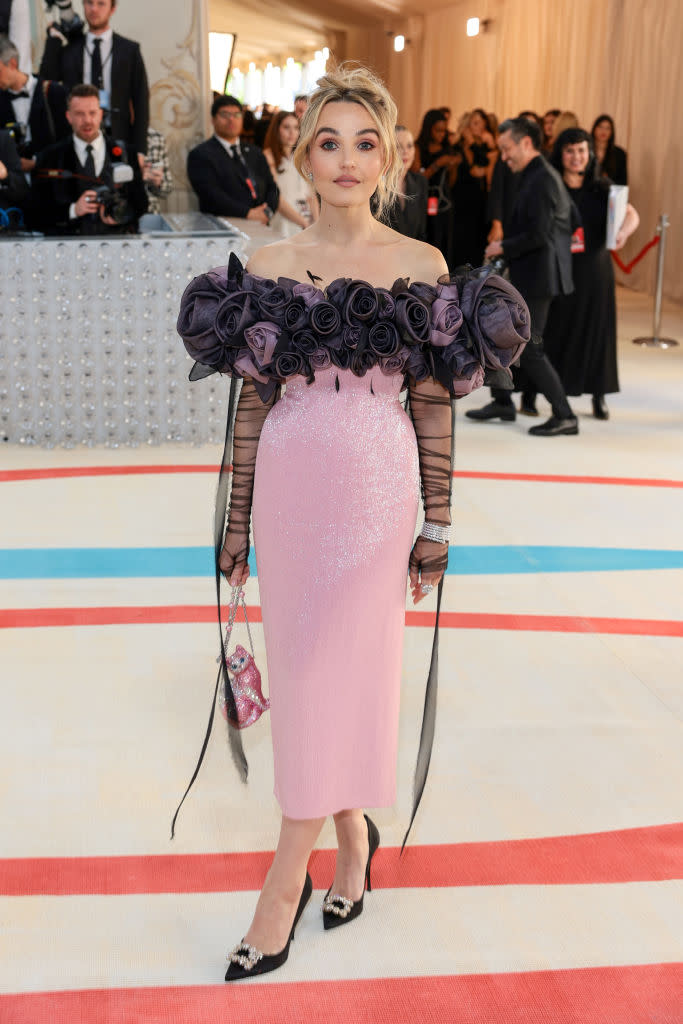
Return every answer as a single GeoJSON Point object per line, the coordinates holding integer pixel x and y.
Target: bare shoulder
{"type": "Point", "coordinates": [271, 260]}
{"type": "Point", "coordinates": [424, 262]}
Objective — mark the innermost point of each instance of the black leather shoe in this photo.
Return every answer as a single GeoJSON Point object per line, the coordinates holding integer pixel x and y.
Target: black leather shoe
{"type": "Point", "coordinates": [493, 411]}
{"type": "Point", "coordinates": [246, 961]}
{"type": "Point", "coordinates": [600, 410]}
{"type": "Point", "coordinates": [555, 426]}
{"type": "Point", "coordinates": [338, 910]}
{"type": "Point", "coordinates": [527, 407]}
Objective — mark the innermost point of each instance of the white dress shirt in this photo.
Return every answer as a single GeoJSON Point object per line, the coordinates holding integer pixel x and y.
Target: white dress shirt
{"type": "Point", "coordinates": [22, 106]}
{"type": "Point", "coordinates": [230, 147]}
{"type": "Point", "coordinates": [107, 43]}
{"type": "Point", "coordinates": [99, 152]}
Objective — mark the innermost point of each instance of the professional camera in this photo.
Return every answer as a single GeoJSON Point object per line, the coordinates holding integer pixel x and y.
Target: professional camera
{"type": "Point", "coordinates": [69, 25]}
{"type": "Point", "coordinates": [112, 197]}
{"type": "Point", "coordinates": [18, 133]}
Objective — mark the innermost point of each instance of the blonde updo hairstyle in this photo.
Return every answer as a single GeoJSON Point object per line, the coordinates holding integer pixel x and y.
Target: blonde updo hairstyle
{"type": "Point", "coordinates": [353, 83]}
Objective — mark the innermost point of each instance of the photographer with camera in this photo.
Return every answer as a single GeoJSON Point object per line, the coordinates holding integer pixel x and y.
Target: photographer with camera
{"type": "Point", "coordinates": [86, 184]}
{"type": "Point", "coordinates": [13, 187]}
{"type": "Point", "coordinates": [97, 55]}
{"type": "Point", "coordinates": [33, 110]}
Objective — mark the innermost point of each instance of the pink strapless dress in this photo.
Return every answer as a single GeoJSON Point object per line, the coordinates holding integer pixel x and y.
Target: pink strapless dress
{"type": "Point", "coordinates": [336, 492]}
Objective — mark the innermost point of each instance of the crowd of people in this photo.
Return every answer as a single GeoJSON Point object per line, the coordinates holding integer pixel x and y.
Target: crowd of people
{"type": "Point", "coordinates": [77, 154]}
{"type": "Point", "coordinates": [78, 157]}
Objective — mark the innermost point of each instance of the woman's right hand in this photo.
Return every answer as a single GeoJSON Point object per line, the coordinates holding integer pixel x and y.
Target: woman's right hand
{"type": "Point", "coordinates": [234, 558]}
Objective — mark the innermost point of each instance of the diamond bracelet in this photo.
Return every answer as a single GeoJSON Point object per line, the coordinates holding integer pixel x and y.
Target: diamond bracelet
{"type": "Point", "coordinates": [432, 531]}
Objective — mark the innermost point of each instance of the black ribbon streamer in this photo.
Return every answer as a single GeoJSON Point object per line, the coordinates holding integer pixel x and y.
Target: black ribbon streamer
{"type": "Point", "coordinates": [234, 736]}
{"type": "Point", "coordinates": [424, 753]}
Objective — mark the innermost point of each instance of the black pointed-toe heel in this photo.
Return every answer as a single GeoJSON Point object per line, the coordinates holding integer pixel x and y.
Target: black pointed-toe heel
{"type": "Point", "coordinates": [338, 910]}
{"type": "Point", "coordinates": [246, 961]}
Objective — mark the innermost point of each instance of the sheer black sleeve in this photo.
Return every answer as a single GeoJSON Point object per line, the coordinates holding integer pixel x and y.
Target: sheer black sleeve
{"type": "Point", "coordinates": [431, 411]}
{"type": "Point", "coordinates": [250, 417]}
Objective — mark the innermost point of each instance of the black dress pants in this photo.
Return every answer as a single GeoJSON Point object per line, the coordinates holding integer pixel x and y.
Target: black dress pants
{"type": "Point", "coordinates": [541, 374]}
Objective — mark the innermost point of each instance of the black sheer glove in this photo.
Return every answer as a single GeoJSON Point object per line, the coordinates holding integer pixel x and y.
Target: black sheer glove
{"type": "Point", "coordinates": [431, 411]}
{"type": "Point", "coordinates": [249, 420]}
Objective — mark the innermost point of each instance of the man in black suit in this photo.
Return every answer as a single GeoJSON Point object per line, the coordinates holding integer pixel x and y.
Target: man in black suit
{"type": "Point", "coordinates": [231, 178]}
{"type": "Point", "coordinates": [64, 198]}
{"type": "Point", "coordinates": [38, 108]}
{"type": "Point", "coordinates": [13, 186]}
{"type": "Point", "coordinates": [110, 62]}
{"type": "Point", "coordinates": [537, 248]}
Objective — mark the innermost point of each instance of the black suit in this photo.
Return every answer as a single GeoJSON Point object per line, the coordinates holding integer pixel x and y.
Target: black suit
{"type": "Point", "coordinates": [537, 248]}
{"type": "Point", "coordinates": [13, 188]}
{"type": "Point", "coordinates": [411, 219]}
{"type": "Point", "coordinates": [220, 181]}
{"type": "Point", "coordinates": [537, 242]}
{"type": "Point", "coordinates": [52, 197]}
{"type": "Point", "coordinates": [46, 117]}
{"type": "Point", "coordinates": [129, 89]}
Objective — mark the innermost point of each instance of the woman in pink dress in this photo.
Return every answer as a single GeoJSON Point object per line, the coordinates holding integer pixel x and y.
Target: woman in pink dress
{"type": "Point", "coordinates": [329, 475]}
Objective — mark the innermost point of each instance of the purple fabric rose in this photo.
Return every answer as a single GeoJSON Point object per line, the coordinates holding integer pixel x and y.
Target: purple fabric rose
{"type": "Point", "coordinates": [499, 319]}
{"type": "Point", "coordinates": [384, 339]}
{"type": "Point", "coordinates": [391, 365]}
{"type": "Point", "coordinates": [272, 304]}
{"type": "Point", "coordinates": [320, 359]}
{"type": "Point", "coordinates": [446, 321]}
{"type": "Point", "coordinates": [354, 336]}
{"type": "Point", "coordinates": [246, 367]}
{"type": "Point", "coordinates": [290, 364]}
{"type": "Point", "coordinates": [325, 320]}
{"type": "Point", "coordinates": [426, 292]}
{"type": "Point", "coordinates": [296, 314]}
{"type": "Point", "coordinates": [466, 385]}
{"type": "Point", "coordinates": [257, 285]}
{"type": "Point", "coordinates": [362, 361]}
{"type": "Point", "coordinates": [262, 339]}
{"type": "Point", "coordinates": [341, 357]}
{"type": "Point", "coordinates": [336, 291]}
{"type": "Point", "coordinates": [412, 318]}
{"type": "Point", "coordinates": [309, 293]}
{"type": "Point", "coordinates": [361, 303]}
{"type": "Point", "coordinates": [197, 317]}
{"type": "Point", "coordinates": [234, 314]}
{"type": "Point", "coordinates": [304, 342]}
{"type": "Point", "coordinates": [416, 366]}
{"type": "Point", "coordinates": [386, 305]}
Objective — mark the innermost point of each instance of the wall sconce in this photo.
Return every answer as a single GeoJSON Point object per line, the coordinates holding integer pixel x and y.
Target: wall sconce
{"type": "Point", "coordinates": [400, 42]}
{"type": "Point", "coordinates": [477, 25]}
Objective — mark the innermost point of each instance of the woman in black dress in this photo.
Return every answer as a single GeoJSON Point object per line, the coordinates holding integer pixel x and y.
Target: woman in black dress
{"type": "Point", "coordinates": [581, 334]}
{"type": "Point", "coordinates": [409, 213]}
{"type": "Point", "coordinates": [610, 159]}
{"type": "Point", "coordinates": [471, 189]}
{"type": "Point", "coordinates": [439, 164]}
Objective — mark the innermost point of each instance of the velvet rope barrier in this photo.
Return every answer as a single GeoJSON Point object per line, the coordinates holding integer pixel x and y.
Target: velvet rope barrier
{"type": "Point", "coordinates": [628, 267]}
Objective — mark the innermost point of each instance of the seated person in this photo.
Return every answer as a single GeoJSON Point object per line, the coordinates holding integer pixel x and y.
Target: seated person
{"type": "Point", "coordinates": [157, 171]}
{"type": "Point", "coordinates": [13, 186]}
{"type": "Point", "coordinates": [70, 175]}
{"type": "Point", "coordinates": [37, 108]}
{"type": "Point", "coordinates": [231, 178]}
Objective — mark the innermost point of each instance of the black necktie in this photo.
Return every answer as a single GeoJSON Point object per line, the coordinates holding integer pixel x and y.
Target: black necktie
{"type": "Point", "coordinates": [19, 95]}
{"type": "Point", "coordinates": [96, 76]}
{"type": "Point", "coordinates": [89, 165]}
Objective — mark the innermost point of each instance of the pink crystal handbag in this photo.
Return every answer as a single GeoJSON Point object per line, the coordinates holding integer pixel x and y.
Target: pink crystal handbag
{"type": "Point", "coordinates": [244, 677]}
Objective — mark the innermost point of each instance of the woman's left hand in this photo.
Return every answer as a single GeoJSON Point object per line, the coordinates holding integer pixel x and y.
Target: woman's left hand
{"type": "Point", "coordinates": [428, 561]}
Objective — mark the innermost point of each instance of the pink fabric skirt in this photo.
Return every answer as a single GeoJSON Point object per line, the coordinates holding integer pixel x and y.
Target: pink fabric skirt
{"type": "Point", "coordinates": [336, 493]}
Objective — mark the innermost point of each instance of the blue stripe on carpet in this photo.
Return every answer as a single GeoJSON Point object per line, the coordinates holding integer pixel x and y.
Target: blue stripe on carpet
{"type": "Point", "coordinates": [96, 563]}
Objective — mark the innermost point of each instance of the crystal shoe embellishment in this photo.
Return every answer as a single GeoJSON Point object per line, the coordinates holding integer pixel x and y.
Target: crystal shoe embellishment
{"type": "Point", "coordinates": [245, 955]}
{"type": "Point", "coordinates": [339, 905]}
